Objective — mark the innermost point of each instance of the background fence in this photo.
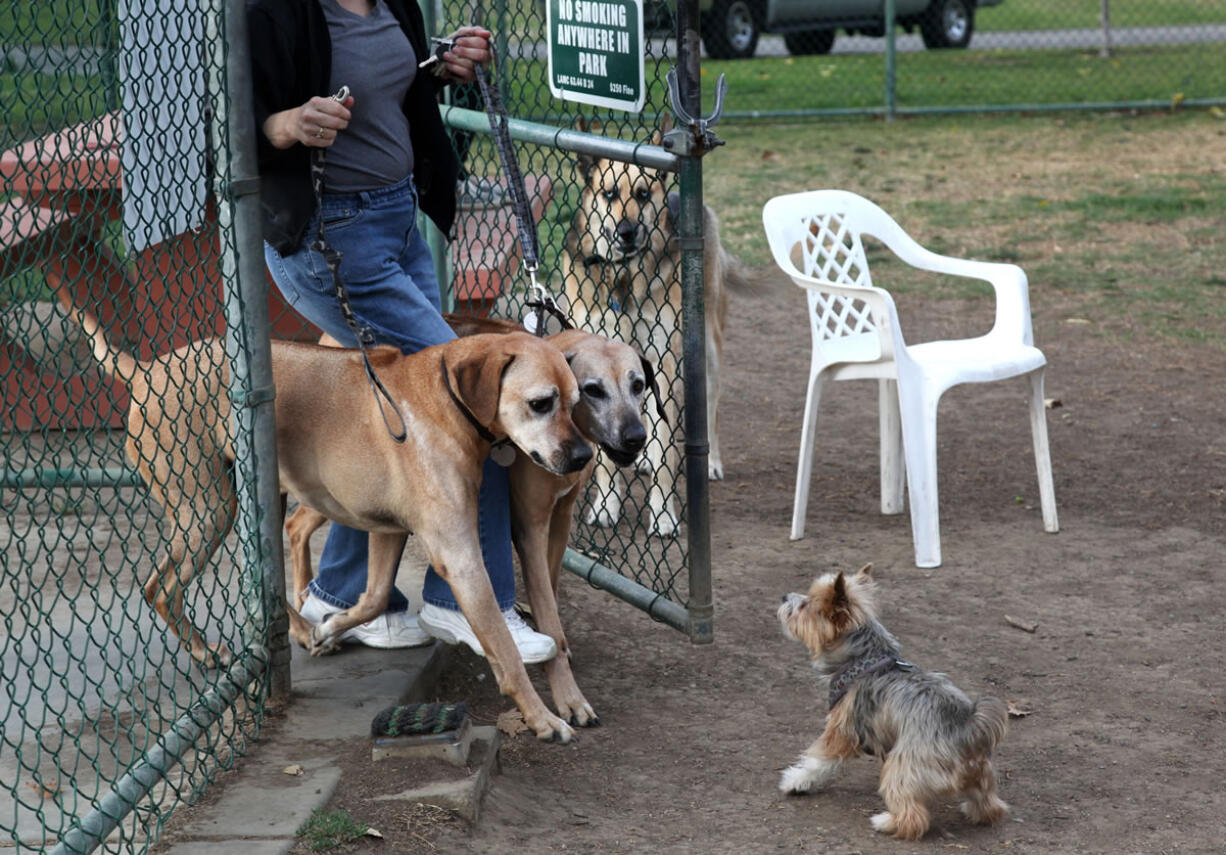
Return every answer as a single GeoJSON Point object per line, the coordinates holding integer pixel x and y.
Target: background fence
{"type": "Point", "coordinates": [119, 192]}
{"type": "Point", "coordinates": [1019, 54]}
{"type": "Point", "coordinates": [97, 698]}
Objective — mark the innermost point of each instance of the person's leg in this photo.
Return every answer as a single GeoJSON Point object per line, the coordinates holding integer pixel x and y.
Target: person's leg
{"type": "Point", "coordinates": [369, 231]}
{"type": "Point", "coordinates": [390, 277]}
{"type": "Point", "coordinates": [494, 530]}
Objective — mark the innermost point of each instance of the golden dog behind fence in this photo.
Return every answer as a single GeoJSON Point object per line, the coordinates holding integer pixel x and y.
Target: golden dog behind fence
{"type": "Point", "coordinates": [622, 276]}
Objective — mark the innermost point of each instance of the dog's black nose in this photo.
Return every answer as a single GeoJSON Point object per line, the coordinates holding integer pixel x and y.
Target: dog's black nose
{"type": "Point", "coordinates": [580, 455]}
{"type": "Point", "coordinates": [634, 437]}
{"type": "Point", "coordinates": [627, 231]}
{"type": "Point", "coordinates": [784, 598]}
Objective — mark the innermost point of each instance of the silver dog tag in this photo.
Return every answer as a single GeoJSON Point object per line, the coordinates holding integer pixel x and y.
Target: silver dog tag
{"type": "Point", "coordinates": [530, 322]}
{"type": "Point", "coordinates": [503, 455]}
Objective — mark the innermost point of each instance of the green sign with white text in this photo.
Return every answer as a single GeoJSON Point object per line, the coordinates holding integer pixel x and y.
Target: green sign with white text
{"type": "Point", "coordinates": [596, 52]}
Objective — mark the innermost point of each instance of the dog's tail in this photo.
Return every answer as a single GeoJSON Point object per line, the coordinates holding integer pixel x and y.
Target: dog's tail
{"type": "Point", "coordinates": [114, 363]}
{"type": "Point", "coordinates": [989, 721]}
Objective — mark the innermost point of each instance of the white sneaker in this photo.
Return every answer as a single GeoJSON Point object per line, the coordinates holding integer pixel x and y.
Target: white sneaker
{"type": "Point", "coordinates": [389, 630]}
{"type": "Point", "coordinates": [452, 627]}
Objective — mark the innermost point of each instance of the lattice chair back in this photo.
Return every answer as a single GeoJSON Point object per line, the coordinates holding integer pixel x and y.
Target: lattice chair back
{"type": "Point", "coordinates": [818, 236]}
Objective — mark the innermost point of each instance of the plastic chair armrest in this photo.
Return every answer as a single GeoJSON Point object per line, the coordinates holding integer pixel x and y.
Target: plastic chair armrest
{"type": "Point", "coordinates": [1008, 281]}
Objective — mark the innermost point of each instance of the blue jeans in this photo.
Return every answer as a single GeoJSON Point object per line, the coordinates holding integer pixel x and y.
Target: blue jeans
{"type": "Point", "coordinates": [393, 289]}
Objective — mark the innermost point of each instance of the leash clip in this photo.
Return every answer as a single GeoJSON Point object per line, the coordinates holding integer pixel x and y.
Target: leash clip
{"type": "Point", "coordinates": [341, 95]}
{"type": "Point", "coordinates": [441, 46]}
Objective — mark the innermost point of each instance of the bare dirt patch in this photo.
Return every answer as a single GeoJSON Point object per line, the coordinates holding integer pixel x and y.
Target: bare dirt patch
{"type": "Point", "coordinates": [1120, 751]}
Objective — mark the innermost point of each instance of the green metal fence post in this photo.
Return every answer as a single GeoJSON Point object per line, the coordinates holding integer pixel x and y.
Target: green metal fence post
{"type": "Point", "coordinates": [891, 59]}
{"type": "Point", "coordinates": [690, 237]}
{"type": "Point", "coordinates": [247, 340]}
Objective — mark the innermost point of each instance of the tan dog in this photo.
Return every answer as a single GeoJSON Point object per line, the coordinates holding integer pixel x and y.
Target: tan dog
{"type": "Point", "coordinates": [622, 268]}
{"type": "Point", "coordinates": [335, 454]}
{"type": "Point", "coordinates": [613, 380]}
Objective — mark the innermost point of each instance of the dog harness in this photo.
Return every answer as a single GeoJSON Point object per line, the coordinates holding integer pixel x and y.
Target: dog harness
{"type": "Point", "coordinates": [843, 679]}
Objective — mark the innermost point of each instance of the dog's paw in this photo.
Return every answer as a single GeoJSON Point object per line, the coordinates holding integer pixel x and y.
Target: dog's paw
{"type": "Point", "coordinates": [664, 523]}
{"type": "Point", "coordinates": [644, 466]}
{"type": "Point", "coordinates": [604, 512]}
{"type": "Point", "coordinates": [988, 810]}
{"type": "Point", "coordinates": [213, 656]}
{"type": "Point", "coordinates": [580, 715]}
{"type": "Point", "coordinates": [883, 822]}
{"type": "Point", "coordinates": [795, 780]}
{"type": "Point", "coordinates": [806, 775]}
{"type": "Point", "coordinates": [715, 469]}
{"type": "Point", "coordinates": [323, 643]}
{"type": "Point", "coordinates": [553, 729]}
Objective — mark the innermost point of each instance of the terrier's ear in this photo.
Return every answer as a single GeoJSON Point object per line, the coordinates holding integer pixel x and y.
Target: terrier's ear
{"type": "Point", "coordinates": [840, 604]}
{"type": "Point", "coordinates": [839, 596]}
{"type": "Point", "coordinates": [864, 571]}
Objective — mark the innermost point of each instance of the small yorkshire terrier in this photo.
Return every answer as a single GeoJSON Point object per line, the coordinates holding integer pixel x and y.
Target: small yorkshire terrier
{"type": "Point", "coordinates": [932, 739]}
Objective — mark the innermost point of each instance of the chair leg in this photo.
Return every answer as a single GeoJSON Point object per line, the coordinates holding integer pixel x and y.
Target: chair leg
{"type": "Point", "coordinates": [1042, 452]}
{"type": "Point", "coordinates": [804, 469]}
{"type": "Point", "coordinates": [893, 475]}
{"type": "Point", "coordinates": [918, 411]}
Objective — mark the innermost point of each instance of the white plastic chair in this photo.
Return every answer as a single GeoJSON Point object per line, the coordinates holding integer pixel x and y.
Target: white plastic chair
{"type": "Point", "coordinates": [815, 238]}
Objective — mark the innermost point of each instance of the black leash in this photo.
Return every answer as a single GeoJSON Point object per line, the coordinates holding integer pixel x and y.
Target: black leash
{"type": "Point", "coordinates": [364, 334]}
{"type": "Point", "coordinates": [542, 301]}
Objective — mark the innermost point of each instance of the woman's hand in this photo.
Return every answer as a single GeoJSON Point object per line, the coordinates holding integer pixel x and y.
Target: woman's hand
{"type": "Point", "coordinates": [315, 124]}
{"type": "Point", "coordinates": [472, 46]}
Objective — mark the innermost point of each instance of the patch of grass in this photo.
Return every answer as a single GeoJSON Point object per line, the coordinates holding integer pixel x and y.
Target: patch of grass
{"type": "Point", "coordinates": [1114, 217]}
{"type": "Point", "coordinates": [971, 78]}
{"type": "Point", "coordinates": [1061, 14]}
{"type": "Point", "coordinates": [325, 830]}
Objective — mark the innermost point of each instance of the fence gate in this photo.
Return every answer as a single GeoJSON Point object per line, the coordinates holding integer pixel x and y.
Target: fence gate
{"type": "Point", "coordinates": [121, 192]}
{"type": "Point", "coordinates": [640, 554]}
{"type": "Point", "coordinates": [127, 189]}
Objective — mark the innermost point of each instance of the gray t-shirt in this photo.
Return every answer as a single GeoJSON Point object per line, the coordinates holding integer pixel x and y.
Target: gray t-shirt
{"type": "Point", "coordinates": [372, 56]}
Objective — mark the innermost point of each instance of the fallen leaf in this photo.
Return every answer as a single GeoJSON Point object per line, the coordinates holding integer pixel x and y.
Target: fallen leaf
{"type": "Point", "coordinates": [372, 832]}
{"type": "Point", "coordinates": [1176, 99]}
{"type": "Point", "coordinates": [1052, 403]}
{"type": "Point", "coordinates": [1081, 322]}
{"type": "Point", "coordinates": [1024, 625]}
{"type": "Point", "coordinates": [511, 722]}
{"type": "Point", "coordinates": [294, 769]}
{"type": "Point", "coordinates": [1016, 710]}
{"type": "Point", "coordinates": [47, 790]}
{"type": "Point", "coordinates": [1217, 112]}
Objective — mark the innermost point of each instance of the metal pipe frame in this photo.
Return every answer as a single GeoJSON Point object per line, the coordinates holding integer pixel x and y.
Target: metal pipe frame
{"type": "Point", "coordinates": [91, 830]}
{"type": "Point", "coordinates": [248, 340]}
{"type": "Point", "coordinates": [565, 139]}
{"type": "Point", "coordinates": [701, 605]}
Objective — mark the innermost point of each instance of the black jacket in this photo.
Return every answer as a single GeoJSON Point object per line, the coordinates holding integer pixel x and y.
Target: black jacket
{"type": "Point", "coordinates": [291, 61]}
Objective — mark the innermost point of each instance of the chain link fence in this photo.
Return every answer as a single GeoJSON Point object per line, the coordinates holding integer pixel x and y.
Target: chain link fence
{"type": "Point", "coordinates": [115, 195]}
{"type": "Point", "coordinates": [625, 286]}
{"type": "Point", "coordinates": [120, 190]}
{"type": "Point", "coordinates": [786, 57]}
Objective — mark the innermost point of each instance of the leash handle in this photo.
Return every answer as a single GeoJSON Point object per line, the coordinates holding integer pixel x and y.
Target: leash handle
{"type": "Point", "coordinates": [332, 257]}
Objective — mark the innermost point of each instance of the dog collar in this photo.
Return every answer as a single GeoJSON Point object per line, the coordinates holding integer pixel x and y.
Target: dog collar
{"type": "Point", "coordinates": [482, 430]}
{"type": "Point", "coordinates": [845, 677]}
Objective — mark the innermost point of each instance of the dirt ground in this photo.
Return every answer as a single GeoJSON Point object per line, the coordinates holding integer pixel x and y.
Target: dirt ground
{"type": "Point", "coordinates": [1121, 678]}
